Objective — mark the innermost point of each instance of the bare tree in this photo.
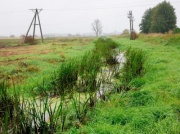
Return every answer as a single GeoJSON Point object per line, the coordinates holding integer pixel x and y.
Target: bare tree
{"type": "Point", "coordinates": [97, 27]}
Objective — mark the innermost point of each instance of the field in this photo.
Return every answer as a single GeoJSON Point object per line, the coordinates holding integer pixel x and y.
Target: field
{"type": "Point", "coordinates": [29, 64]}
{"type": "Point", "coordinates": [144, 101]}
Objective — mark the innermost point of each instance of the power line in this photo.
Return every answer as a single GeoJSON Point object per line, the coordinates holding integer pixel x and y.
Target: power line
{"type": "Point", "coordinates": [58, 23]}
{"type": "Point", "coordinates": [91, 8]}
{"type": "Point", "coordinates": [14, 12]}
{"type": "Point", "coordinates": [99, 8]}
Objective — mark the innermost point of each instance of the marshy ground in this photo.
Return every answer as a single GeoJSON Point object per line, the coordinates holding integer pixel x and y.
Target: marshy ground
{"type": "Point", "coordinates": [149, 102]}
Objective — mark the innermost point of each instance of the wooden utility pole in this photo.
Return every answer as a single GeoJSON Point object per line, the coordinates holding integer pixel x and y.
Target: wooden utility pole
{"type": "Point", "coordinates": [131, 19]}
{"type": "Point", "coordinates": [36, 15]}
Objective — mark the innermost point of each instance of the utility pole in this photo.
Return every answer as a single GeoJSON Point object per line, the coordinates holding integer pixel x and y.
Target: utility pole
{"type": "Point", "coordinates": [36, 15]}
{"type": "Point", "coordinates": [131, 19]}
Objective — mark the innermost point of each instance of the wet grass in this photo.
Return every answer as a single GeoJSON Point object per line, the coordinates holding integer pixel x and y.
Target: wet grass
{"type": "Point", "coordinates": [150, 106]}
{"type": "Point", "coordinates": [133, 67]}
{"type": "Point", "coordinates": [39, 61]}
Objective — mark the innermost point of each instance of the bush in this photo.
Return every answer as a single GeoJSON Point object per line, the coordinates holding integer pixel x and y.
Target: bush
{"type": "Point", "coordinates": [135, 35]}
{"type": "Point", "coordinates": [29, 40]}
{"type": "Point", "coordinates": [176, 30]}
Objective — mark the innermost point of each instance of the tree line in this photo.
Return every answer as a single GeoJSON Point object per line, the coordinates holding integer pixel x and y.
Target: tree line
{"type": "Point", "coordinates": [159, 19]}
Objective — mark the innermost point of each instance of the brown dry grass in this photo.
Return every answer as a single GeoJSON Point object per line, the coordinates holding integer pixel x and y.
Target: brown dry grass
{"type": "Point", "coordinates": [18, 50]}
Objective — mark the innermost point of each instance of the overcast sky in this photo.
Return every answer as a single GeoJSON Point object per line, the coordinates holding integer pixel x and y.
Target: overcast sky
{"type": "Point", "coordinates": [74, 16]}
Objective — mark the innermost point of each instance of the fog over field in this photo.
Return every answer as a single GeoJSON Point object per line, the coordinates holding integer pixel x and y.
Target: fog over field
{"type": "Point", "coordinates": [74, 16]}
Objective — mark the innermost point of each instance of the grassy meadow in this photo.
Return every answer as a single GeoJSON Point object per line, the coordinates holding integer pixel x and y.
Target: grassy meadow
{"type": "Point", "coordinates": [141, 97]}
{"type": "Point", "coordinates": [29, 65]}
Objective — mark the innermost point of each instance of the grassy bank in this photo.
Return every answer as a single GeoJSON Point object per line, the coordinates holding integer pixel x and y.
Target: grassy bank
{"type": "Point", "coordinates": [148, 102]}
{"type": "Point", "coordinates": [154, 104]}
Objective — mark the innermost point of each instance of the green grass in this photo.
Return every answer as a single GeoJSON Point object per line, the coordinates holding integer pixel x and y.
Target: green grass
{"type": "Point", "coordinates": [40, 62]}
{"type": "Point", "coordinates": [154, 107]}
{"type": "Point", "coordinates": [151, 106]}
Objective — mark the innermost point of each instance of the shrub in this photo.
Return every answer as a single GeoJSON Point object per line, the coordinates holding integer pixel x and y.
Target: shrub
{"type": "Point", "coordinates": [176, 30]}
{"type": "Point", "coordinates": [135, 35]}
{"type": "Point", "coordinates": [29, 40]}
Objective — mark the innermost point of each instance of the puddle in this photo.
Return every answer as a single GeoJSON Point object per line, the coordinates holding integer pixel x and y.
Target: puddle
{"type": "Point", "coordinates": [121, 59]}
{"type": "Point", "coordinates": [38, 104]}
{"type": "Point", "coordinates": [108, 73]}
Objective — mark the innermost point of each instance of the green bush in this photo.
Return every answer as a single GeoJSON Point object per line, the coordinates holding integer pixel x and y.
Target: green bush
{"type": "Point", "coordinates": [176, 30]}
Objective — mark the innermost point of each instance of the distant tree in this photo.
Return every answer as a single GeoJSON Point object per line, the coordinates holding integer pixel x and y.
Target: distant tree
{"type": "Point", "coordinates": [146, 21]}
{"type": "Point", "coordinates": [125, 31]}
{"type": "Point", "coordinates": [97, 27]}
{"type": "Point", "coordinates": [160, 19]}
{"type": "Point", "coordinates": [163, 18]}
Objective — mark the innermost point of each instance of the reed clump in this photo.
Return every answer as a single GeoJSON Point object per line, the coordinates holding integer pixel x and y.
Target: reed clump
{"type": "Point", "coordinates": [65, 78]}
{"type": "Point", "coordinates": [7, 103]}
{"type": "Point", "coordinates": [106, 47]}
{"type": "Point", "coordinates": [133, 67]}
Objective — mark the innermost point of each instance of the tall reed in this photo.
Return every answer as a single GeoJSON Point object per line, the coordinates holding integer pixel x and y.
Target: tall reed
{"type": "Point", "coordinates": [89, 67]}
{"type": "Point", "coordinates": [80, 106]}
{"type": "Point", "coordinates": [65, 78]}
{"type": "Point", "coordinates": [31, 116]}
{"type": "Point", "coordinates": [106, 47]}
{"type": "Point", "coordinates": [7, 106]}
{"type": "Point", "coordinates": [133, 67]}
